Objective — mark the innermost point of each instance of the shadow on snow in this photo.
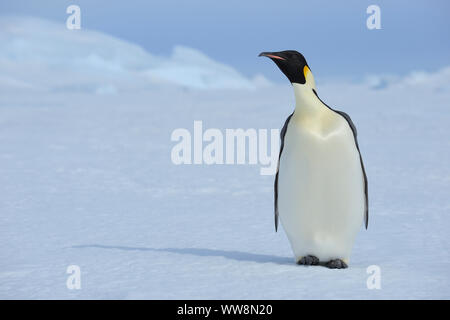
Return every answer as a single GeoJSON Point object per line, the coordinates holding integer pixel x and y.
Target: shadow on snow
{"type": "Point", "coordinates": [203, 252]}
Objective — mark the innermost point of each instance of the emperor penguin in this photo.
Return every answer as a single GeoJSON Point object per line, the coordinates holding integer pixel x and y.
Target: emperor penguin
{"type": "Point", "coordinates": [321, 192]}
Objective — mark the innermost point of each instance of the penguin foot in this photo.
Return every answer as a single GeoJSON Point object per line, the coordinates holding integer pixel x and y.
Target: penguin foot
{"type": "Point", "coordinates": [336, 264]}
{"type": "Point", "coordinates": [308, 260]}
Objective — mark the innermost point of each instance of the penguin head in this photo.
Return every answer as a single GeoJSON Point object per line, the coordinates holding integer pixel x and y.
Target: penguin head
{"type": "Point", "coordinates": [294, 66]}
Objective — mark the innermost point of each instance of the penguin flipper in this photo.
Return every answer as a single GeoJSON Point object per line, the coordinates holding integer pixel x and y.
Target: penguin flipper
{"type": "Point", "coordinates": [282, 134]}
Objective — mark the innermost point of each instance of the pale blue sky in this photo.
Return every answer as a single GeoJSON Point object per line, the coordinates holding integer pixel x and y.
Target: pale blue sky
{"type": "Point", "coordinates": [331, 34]}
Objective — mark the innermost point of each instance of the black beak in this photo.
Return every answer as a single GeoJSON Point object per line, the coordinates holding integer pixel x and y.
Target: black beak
{"type": "Point", "coordinates": [271, 55]}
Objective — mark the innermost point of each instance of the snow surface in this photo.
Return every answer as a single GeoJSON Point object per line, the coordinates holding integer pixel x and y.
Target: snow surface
{"type": "Point", "coordinates": [87, 179]}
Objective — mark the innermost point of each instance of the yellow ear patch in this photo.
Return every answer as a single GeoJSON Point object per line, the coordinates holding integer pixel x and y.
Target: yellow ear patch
{"type": "Point", "coordinates": [305, 71]}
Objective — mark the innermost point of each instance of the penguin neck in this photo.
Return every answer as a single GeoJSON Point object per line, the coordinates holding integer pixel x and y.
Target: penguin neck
{"type": "Point", "coordinates": [306, 101]}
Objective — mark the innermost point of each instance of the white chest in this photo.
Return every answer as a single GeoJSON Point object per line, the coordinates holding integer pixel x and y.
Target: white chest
{"type": "Point", "coordinates": [320, 190]}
